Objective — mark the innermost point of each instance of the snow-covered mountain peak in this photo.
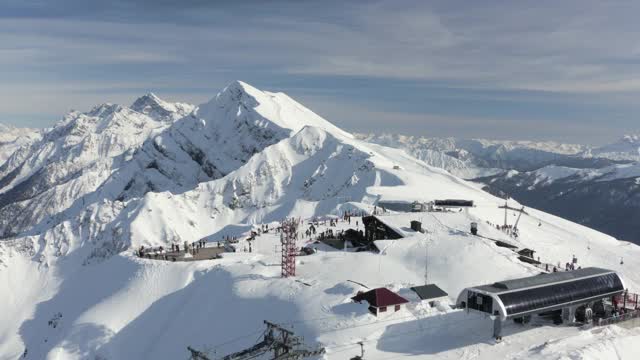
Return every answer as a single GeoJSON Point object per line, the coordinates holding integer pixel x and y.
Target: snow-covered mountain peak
{"type": "Point", "coordinates": [161, 110]}
{"type": "Point", "coordinates": [148, 97]}
{"type": "Point", "coordinates": [120, 153]}
{"type": "Point", "coordinates": [146, 101]}
{"type": "Point", "coordinates": [71, 160]}
{"type": "Point", "coordinates": [236, 91]}
{"type": "Point", "coordinates": [105, 109]}
{"type": "Point", "coordinates": [113, 119]}
{"type": "Point", "coordinates": [240, 104]}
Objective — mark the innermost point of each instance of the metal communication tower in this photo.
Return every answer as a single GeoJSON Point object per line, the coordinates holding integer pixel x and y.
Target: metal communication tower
{"type": "Point", "coordinates": [288, 238]}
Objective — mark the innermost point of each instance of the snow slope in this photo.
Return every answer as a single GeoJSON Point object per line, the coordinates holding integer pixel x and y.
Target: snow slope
{"type": "Point", "coordinates": [309, 174]}
{"type": "Point", "coordinates": [148, 308]}
{"type": "Point", "coordinates": [158, 109]}
{"type": "Point", "coordinates": [442, 153]}
{"type": "Point", "coordinates": [72, 289]}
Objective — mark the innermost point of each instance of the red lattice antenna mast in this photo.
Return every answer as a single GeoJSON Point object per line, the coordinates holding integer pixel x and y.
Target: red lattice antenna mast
{"type": "Point", "coordinates": [288, 238]}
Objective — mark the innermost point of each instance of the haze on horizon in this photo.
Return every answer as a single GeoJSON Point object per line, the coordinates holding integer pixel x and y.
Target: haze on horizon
{"type": "Point", "coordinates": [545, 70]}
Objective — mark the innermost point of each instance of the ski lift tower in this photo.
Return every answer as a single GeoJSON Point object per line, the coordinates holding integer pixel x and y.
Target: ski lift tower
{"type": "Point", "coordinates": [515, 226]}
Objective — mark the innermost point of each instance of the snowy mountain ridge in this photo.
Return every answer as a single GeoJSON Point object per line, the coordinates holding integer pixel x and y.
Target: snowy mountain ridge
{"type": "Point", "coordinates": [450, 143]}
{"type": "Point", "coordinates": [627, 148]}
{"type": "Point", "coordinates": [70, 161]}
{"type": "Point", "coordinates": [116, 153]}
{"type": "Point", "coordinates": [158, 109]}
{"type": "Point", "coordinates": [593, 197]}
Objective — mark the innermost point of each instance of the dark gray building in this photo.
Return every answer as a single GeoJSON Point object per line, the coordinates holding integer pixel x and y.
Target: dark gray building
{"type": "Point", "coordinates": [512, 299]}
{"type": "Point", "coordinates": [430, 293]}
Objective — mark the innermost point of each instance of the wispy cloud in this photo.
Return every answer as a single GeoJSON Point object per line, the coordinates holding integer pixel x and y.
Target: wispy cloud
{"type": "Point", "coordinates": [585, 51]}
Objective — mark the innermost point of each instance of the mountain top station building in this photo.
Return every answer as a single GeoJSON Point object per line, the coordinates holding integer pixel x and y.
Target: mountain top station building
{"type": "Point", "coordinates": [520, 298]}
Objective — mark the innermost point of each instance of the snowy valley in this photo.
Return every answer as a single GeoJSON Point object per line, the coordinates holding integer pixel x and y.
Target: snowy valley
{"type": "Point", "coordinates": [79, 200]}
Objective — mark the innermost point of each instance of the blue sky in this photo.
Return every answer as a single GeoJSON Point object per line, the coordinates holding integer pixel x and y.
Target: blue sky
{"type": "Point", "coordinates": [567, 71]}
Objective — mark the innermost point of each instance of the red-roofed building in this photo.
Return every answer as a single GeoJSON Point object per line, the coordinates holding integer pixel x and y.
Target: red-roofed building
{"type": "Point", "coordinates": [381, 300]}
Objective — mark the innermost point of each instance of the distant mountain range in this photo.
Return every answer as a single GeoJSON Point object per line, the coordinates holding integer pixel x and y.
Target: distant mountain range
{"type": "Point", "coordinates": [12, 138]}
{"type": "Point", "coordinates": [595, 186]}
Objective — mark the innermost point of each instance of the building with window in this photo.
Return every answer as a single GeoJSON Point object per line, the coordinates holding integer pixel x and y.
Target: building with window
{"type": "Point", "coordinates": [520, 298]}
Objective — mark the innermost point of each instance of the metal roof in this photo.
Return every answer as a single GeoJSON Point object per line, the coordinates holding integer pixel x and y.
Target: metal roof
{"type": "Point", "coordinates": [453, 202]}
{"type": "Point", "coordinates": [388, 225]}
{"type": "Point", "coordinates": [542, 280]}
{"type": "Point", "coordinates": [380, 297]}
{"type": "Point", "coordinates": [429, 291]}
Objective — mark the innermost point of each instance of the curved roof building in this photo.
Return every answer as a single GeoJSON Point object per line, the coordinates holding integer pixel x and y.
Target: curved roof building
{"type": "Point", "coordinates": [519, 297]}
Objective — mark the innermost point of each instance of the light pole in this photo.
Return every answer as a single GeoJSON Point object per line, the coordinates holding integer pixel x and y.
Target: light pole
{"type": "Point", "coordinates": [426, 259]}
